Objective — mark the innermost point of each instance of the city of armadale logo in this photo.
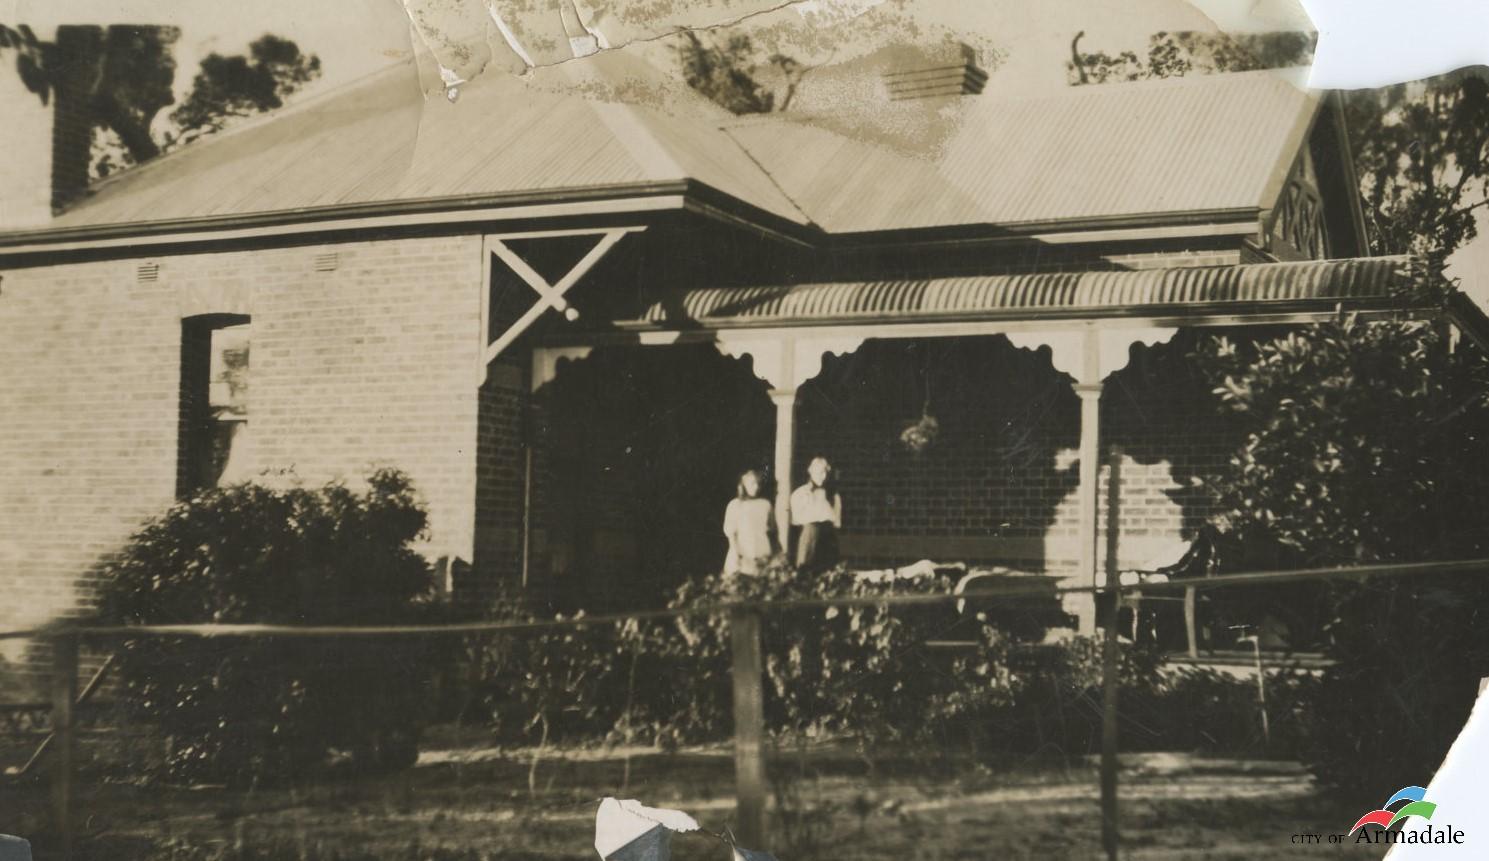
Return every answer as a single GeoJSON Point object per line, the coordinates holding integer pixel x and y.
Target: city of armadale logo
{"type": "Point", "coordinates": [1379, 826]}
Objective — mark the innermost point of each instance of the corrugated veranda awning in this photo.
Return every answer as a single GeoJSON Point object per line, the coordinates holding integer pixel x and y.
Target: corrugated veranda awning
{"type": "Point", "coordinates": [1363, 283]}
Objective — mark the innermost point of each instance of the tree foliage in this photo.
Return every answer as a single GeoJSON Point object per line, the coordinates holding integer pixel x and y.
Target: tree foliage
{"type": "Point", "coordinates": [1174, 54]}
{"type": "Point", "coordinates": [32, 58]}
{"type": "Point", "coordinates": [136, 81]}
{"type": "Point", "coordinates": [1420, 152]}
{"type": "Point", "coordinates": [1360, 442]}
{"type": "Point", "coordinates": [723, 71]}
{"type": "Point", "coordinates": [1365, 443]}
{"type": "Point", "coordinates": [236, 86]}
{"type": "Point", "coordinates": [139, 73]}
{"type": "Point", "coordinates": [224, 88]}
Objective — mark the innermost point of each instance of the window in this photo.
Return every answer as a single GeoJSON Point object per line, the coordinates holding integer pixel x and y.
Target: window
{"type": "Point", "coordinates": [214, 402]}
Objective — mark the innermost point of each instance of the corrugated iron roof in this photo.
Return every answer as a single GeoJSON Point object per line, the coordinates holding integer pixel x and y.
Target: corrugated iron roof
{"type": "Point", "coordinates": [382, 140]}
{"type": "Point", "coordinates": [1204, 143]}
{"type": "Point", "coordinates": [1319, 282]}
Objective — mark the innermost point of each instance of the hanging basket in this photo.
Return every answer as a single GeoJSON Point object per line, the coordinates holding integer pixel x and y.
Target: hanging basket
{"type": "Point", "coordinates": [921, 435]}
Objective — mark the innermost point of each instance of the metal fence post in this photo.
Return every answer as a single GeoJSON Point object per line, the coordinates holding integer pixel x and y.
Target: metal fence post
{"type": "Point", "coordinates": [1110, 836]}
{"type": "Point", "coordinates": [749, 726]}
{"type": "Point", "coordinates": [64, 692]}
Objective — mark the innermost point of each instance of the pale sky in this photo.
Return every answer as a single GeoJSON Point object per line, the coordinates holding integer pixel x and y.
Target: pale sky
{"type": "Point", "coordinates": [352, 37]}
{"type": "Point", "coordinates": [355, 37]}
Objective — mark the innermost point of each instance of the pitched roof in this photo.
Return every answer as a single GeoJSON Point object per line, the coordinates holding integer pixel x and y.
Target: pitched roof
{"type": "Point", "coordinates": [1183, 145]}
{"type": "Point", "coordinates": [1204, 143]}
{"type": "Point", "coordinates": [382, 140]}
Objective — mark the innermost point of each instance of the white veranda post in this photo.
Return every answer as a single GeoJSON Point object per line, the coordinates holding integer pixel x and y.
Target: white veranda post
{"type": "Point", "coordinates": [1089, 355]}
{"type": "Point", "coordinates": [784, 361]}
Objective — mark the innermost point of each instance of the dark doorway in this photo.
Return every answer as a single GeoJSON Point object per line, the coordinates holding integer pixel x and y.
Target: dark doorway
{"type": "Point", "coordinates": [644, 447]}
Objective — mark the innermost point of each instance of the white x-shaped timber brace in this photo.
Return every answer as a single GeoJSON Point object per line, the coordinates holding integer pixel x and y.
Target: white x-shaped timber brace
{"type": "Point", "coordinates": [550, 296]}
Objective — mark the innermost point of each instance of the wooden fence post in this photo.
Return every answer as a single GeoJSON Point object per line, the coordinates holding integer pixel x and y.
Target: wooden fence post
{"type": "Point", "coordinates": [64, 692]}
{"type": "Point", "coordinates": [1189, 622]}
{"type": "Point", "coordinates": [749, 727]}
{"type": "Point", "coordinates": [1110, 682]}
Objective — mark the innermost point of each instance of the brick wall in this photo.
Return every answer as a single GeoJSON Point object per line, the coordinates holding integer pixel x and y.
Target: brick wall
{"type": "Point", "coordinates": [999, 484]}
{"type": "Point", "coordinates": [371, 363]}
{"type": "Point", "coordinates": [501, 468]}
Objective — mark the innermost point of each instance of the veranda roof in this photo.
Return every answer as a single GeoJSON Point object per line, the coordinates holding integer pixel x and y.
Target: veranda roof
{"type": "Point", "coordinates": [1259, 288]}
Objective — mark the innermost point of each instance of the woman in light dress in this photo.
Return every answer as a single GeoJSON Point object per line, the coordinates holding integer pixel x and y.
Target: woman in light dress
{"type": "Point", "coordinates": [749, 525]}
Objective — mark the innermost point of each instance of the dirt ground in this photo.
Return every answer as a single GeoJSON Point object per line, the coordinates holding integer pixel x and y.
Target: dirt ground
{"type": "Point", "coordinates": [468, 801]}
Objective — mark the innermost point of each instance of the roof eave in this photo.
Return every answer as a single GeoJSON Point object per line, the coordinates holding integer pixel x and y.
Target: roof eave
{"type": "Point", "coordinates": [358, 217]}
{"type": "Point", "coordinates": [1235, 221]}
{"type": "Point", "coordinates": [364, 218]}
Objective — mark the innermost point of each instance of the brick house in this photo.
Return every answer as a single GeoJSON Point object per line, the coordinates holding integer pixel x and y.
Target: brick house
{"type": "Point", "coordinates": [574, 320]}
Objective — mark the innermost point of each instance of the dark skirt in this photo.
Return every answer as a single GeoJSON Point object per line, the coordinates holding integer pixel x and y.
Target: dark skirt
{"type": "Point", "coordinates": [817, 548]}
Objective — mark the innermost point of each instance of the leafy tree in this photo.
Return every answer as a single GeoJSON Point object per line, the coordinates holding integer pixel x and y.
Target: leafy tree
{"type": "Point", "coordinates": [32, 58]}
{"type": "Point", "coordinates": [135, 73]}
{"type": "Point", "coordinates": [1173, 54]}
{"type": "Point", "coordinates": [718, 71]}
{"type": "Point", "coordinates": [1422, 155]}
{"type": "Point", "coordinates": [136, 78]}
{"type": "Point", "coordinates": [238, 86]}
{"type": "Point", "coordinates": [1364, 443]}
{"type": "Point", "coordinates": [723, 71]}
{"type": "Point", "coordinates": [139, 72]}
{"type": "Point", "coordinates": [1359, 443]}
{"type": "Point", "coordinates": [225, 88]}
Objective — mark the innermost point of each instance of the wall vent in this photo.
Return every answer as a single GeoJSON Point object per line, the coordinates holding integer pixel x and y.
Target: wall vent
{"type": "Point", "coordinates": [147, 272]}
{"type": "Point", "coordinates": [327, 261]}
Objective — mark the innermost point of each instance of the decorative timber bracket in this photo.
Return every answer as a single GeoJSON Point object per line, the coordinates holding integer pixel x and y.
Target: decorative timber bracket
{"type": "Point", "coordinates": [785, 362]}
{"type": "Point", "coordinates": [496, 250]}
{"type": "Point", "coordinates": [1092, 353]}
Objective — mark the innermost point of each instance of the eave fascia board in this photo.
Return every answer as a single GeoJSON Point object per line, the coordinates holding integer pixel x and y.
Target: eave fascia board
{"type": "Point", "coordinates": [360, 219]}
{"type": "Point", "coordinates": [1179, 225]}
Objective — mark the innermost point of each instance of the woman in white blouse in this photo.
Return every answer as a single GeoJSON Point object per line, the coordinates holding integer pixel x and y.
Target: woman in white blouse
{"type": "Point", "coordinates": [817, 509]}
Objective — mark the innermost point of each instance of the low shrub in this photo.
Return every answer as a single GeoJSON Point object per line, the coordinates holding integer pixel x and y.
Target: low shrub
{"type": "Point", "coordinates": [857, 671]}
{"type": "Point", "coordinates": [242, 709]}
{"type": "Point", "coordinates": [1409, 655]}
{"type": "Point", "coordinates": [1055, 706]}
{"type": "Point", "coordinates": [860, 672]}
{"type": "Point", "coordinates": [1203, 710]}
